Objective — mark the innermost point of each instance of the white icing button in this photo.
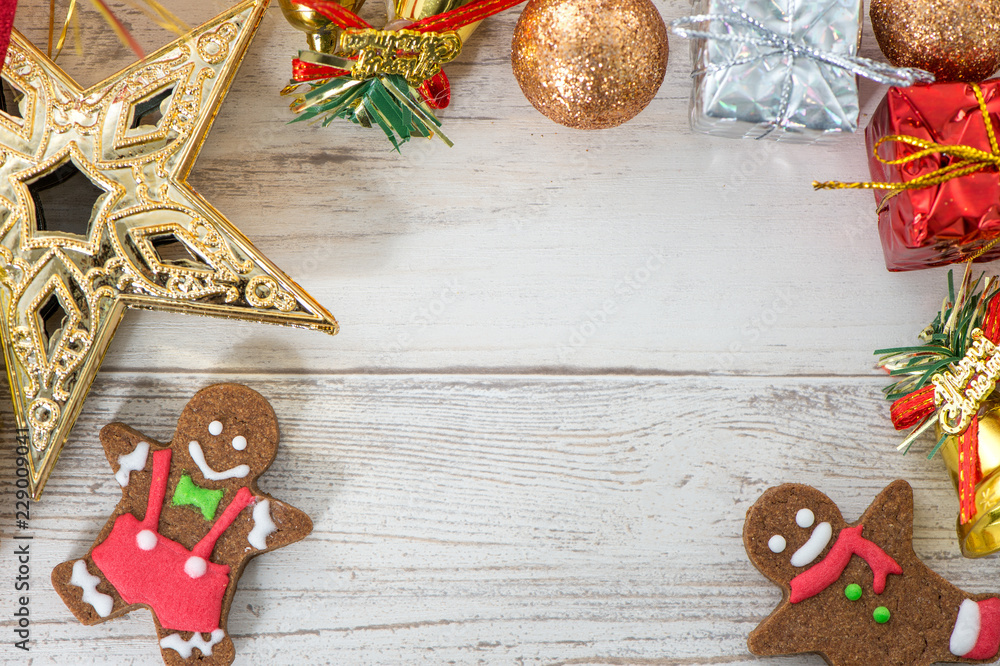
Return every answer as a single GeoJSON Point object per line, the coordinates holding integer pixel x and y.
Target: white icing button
{"type": "Point", "coordinates": [239, 442]}
{"type": "Point", "coordinates": [195, 566]}
{"type": "Point", "coordinates": [215, 428]}
{"type": "Point", "coordinates": [146, 540]}
{"type": "Point", "coordinates": [804, 518]}
{"type": "Point", "coordinates": [776, 543]}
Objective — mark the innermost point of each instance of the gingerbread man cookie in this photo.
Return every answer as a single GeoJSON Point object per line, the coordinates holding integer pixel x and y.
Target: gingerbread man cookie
{"type": "Point", "coordinates": [857, 594]}
{"type": "Point", "coordinates": [190, 518]}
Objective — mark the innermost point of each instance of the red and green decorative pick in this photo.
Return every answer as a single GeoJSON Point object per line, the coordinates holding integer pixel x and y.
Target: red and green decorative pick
{"type": "Point", "coordinates": [389, 78]}
{"type": "Point", "coordinates": [946, 380]}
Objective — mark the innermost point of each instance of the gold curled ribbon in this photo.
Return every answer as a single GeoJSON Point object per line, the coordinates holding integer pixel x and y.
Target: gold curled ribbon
{"type": "Point", "coordinates": [971, 160]}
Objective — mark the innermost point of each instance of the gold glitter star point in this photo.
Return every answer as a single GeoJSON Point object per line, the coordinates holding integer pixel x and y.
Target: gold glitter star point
{"type": "Point", "coordinates": [150, 240]}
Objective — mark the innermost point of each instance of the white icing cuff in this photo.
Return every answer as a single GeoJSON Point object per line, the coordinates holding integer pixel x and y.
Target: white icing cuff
{"type": "Point", "coordinates": [82, 578]}
{"type": "Point", "coordinates": [811, 549]}
{"type": "Point", "coordinates": [185, 647]}
{"type": "Point", "coordinates": [132, 462]}
{"type": "Point", "coordinates": [966, 631]}
{"type": "Point", "coordinates": [263, 526]}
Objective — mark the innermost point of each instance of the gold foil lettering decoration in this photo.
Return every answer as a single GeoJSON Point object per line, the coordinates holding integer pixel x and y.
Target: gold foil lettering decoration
{"type": "Point", "coordinates": [961, 390]}
{"type": "Point", "coordinates": [416, 56]}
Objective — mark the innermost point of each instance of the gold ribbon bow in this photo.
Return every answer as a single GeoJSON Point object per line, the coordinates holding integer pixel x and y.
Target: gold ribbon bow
{"type": "Point", "coordinates": [970, 160]}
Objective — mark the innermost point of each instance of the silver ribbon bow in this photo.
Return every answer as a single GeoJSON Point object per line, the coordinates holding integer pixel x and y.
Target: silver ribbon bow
{"type": "Point", "coordinates": [741, 28]}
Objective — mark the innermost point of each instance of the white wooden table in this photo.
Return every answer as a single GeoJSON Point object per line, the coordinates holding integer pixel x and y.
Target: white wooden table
{"type": "Point", "coordinates": [569, 362]}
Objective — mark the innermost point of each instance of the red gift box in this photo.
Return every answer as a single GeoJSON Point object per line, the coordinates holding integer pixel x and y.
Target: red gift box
{"type": "Point", "coordinates": [953, 220]}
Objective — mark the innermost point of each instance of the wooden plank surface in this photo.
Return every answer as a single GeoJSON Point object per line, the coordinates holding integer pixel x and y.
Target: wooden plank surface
{"type": "Point", "coordinates": [569, 362]}
{"type": "Point", "coordinates": [499, 254]}
{"type": "Point", "coordinates": [525, 519]}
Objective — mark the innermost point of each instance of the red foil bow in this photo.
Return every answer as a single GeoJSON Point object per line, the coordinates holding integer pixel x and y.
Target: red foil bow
{"type": "Point", "coordinates": [919, 405]}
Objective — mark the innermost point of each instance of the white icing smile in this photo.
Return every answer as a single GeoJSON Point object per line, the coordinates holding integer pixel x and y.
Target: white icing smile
{"type": "Point", "coordinates": [811, 549]}
{"type": "Point", "coordinates": [238, 472]}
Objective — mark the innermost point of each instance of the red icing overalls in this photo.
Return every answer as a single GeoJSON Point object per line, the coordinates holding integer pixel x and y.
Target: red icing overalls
{"type": "Point", "coordinates": [182, 587]}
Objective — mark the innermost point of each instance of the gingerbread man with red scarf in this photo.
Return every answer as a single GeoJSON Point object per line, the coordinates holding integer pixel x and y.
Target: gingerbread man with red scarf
{"type": "Point", "coordinates": [857, 594]}
{"type": "Point", "coordinates": [190, 517]}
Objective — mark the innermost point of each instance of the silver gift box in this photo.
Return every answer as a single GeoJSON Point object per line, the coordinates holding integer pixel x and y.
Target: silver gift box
{"type": "Point", "coordinates": [739, 88]}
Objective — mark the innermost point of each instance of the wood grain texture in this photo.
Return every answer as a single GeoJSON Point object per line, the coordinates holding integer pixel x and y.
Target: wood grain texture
{"type": "Point", "coordinates": [475, 519]}
{"type": "Point", "coordinates": [528, 246]}
{"type": "Point", "coordinates": [569, 362]}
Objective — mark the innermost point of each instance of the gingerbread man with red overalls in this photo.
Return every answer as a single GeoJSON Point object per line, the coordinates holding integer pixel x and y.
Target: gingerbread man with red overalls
{"type": "Point", "coordinates": [190, 518]}
{"type": "Point", "coordinates": [857, 594]}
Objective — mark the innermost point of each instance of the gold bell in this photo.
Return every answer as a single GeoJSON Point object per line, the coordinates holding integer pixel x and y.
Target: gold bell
{"type": "Point", "coordinates": [321, 34]}
{"type": "Point", "coordinates": [981, 535]}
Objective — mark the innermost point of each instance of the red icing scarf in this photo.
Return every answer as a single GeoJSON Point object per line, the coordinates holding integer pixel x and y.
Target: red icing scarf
{"type": "Point", "coordinates": [849, 542]}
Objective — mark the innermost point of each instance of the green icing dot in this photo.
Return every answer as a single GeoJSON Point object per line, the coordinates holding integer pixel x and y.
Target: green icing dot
{"type": "Point", "coordinates": [853, 591]}
{"type": "Point", "coordinates": [881, 614]}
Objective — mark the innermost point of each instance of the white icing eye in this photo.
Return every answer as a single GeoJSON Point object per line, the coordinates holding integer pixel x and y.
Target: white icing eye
{"type": "Point", "coordinates": [215, 428]}
{"type": "Point", "coordinates": [776, 543]}
{"type": "Point", "coordinates": [804, 518]}
{"type": "Point", "coordinates": [239, 442]}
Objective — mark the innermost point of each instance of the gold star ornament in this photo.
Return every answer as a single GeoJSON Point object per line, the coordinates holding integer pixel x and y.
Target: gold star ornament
{"type": "Point", "coordinates": [126, 145]}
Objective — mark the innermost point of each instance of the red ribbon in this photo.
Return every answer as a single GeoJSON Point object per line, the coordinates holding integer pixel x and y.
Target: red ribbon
{"type": "Point", "coordinates": [7, 9]}
{"type": "Point", "coordinates": [453, 20]}
{"type": "Point", "coordinates": [340, 15]}
{"type": "Point", "coordinates": [916, 406]}
{"type": "Point", "coordinates": [849, 542]}
{"type": "Point", "coordinates": [436, 90]}
{"type": "Point", "coordinates": [309, 71]}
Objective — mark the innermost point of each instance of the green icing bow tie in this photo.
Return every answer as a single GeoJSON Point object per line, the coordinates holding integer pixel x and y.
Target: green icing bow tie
{"type": "Point", "coordinates": [203, 498]}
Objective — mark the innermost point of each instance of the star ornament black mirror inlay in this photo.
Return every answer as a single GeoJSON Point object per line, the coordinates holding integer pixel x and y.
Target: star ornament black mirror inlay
{"type": "Point", "coordinates": [96, 217]}
{"type": "Point", "coordinates": [64, 200]}
{"type": "Point", "coordinates": [11, 98]}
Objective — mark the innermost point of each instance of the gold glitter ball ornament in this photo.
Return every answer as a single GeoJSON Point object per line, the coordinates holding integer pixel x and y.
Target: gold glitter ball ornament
{"type": "Point", "coordinates": [590, 64]}
{"type": "Point", "coordinates": [957, 40]}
